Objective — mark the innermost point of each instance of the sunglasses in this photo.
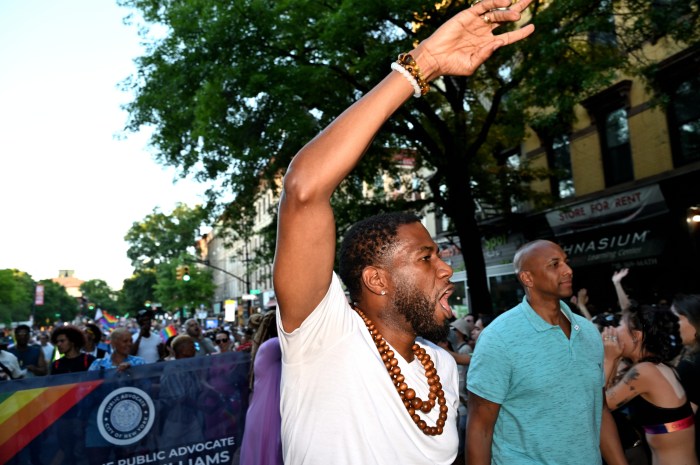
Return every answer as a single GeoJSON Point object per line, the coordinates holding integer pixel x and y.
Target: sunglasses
{"type": "Point", "coordinates": [221, 341]}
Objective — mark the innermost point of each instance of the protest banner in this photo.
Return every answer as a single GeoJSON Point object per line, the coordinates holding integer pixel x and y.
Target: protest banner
{"type": "Point", "coordinates": [181, 412]}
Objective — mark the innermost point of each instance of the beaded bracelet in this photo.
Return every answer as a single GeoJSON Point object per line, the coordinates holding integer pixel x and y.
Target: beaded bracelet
{"type": "Point", "coordinates": [410, 65]}
{"type": "Point", "coordinates": [416, 88]}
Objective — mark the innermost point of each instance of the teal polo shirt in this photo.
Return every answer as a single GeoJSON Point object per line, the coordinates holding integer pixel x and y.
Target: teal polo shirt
{"type": "Point", "coordinates": [550, 388]}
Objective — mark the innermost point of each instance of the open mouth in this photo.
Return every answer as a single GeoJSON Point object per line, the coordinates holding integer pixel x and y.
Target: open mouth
{"type": "Point", "coordinates": [443, 300]}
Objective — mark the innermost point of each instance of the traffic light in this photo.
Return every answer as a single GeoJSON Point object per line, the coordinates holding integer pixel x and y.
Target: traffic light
{"type": "Point", "coordinates": [186, 274]}
{"type": "Point", "coordinates": [180, 272]}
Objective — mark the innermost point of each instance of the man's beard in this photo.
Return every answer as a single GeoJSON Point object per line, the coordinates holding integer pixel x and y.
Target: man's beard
{"type": "Point", "coordinates": [419, 311]}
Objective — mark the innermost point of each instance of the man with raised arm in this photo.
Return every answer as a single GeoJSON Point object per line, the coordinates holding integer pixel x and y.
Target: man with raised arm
{"type": "Point", "coordinates": [356, 386]}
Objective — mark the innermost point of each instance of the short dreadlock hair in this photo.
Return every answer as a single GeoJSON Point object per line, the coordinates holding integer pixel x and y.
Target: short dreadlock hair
{"type": "Point", "coordinates": [369, 242]}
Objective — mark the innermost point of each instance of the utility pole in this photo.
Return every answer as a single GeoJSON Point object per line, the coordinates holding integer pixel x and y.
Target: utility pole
{"type": "Point", "coordinates": [245, 281]}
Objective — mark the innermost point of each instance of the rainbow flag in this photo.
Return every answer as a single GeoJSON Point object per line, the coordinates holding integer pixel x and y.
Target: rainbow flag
{"type": "Point", "coordinates": [25, 414]}
{"type": "Point", "coordinates": [168, 332]}
{"type": "Point", "coordinates": [108, 321]}
{"type": "Point", "coordinates": [110, 318]}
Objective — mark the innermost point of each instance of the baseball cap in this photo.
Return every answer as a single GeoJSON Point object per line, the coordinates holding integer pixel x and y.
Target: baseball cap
{"type": "Point", "coordinates": [461, 325]}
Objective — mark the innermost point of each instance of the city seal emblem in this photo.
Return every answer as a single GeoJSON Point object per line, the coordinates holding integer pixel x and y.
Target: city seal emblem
{"type": "Point", "coordinates": [125, 416]}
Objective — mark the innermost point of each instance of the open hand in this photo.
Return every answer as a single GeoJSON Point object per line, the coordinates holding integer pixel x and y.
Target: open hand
{"type": "Point", "coordinates": [464, 42]}
{"type": "Point", "coordinates": [619, 274]}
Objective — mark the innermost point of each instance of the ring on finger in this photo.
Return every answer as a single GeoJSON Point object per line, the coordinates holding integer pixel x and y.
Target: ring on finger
{"type": "Point", "coordinates": [486, 19]}
{"type": "Point", "coordinates": [476, 2]}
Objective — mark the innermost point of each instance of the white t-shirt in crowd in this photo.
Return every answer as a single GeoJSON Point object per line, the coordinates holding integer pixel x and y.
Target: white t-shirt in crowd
{"type": "Point", "coordinates": [148, 347]}
{"type": "Point", "coordinates": [339, 404]}
{"type": "Point", "coordinates": [48, 352]}
{"type": "Point", "coordinates": [10, 362]}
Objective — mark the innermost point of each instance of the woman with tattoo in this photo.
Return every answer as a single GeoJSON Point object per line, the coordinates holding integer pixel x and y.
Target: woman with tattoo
{"type": "Point", "coordinates": [687, 309]}
{"type": "Point", "coordinates": [650, 338]}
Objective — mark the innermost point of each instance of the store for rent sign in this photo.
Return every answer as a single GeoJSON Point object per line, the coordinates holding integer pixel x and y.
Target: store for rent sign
{"type": "Point", "coordinates": [625, 207]}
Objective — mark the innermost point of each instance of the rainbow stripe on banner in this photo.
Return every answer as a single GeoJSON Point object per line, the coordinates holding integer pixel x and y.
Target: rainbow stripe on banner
{"type": "Point", "coordinates": [192, 409]}
{"type": "Point", "coordinates": [168, 332]}
{"type": "Point", "coordinates": [25, 414]}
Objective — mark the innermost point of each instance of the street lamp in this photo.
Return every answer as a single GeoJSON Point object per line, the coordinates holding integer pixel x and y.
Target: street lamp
{"type": "Point", "coordinates": [693, 216]}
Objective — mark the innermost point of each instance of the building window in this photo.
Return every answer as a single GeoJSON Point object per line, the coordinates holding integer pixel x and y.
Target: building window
{"type": "Point", "coordinates": [683, 115]}
{"type": "Point", "coordinates": [678, 78]}
{"type": "Point", "coordinates": [684, 110]}
{"type": "Point", "coordinates": [615, 145]}
{"type": "Point", "coordinates": [559, 160]}
{"type": "Point", "coordinates": [604, 33]}
{"type": "Point", "coordinates": [608, 111]}
{"type": "Point", "coordinates": [556, 143]}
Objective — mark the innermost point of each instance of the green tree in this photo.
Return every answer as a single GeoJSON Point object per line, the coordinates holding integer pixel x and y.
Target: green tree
{"type": "Point", "coordinates": [161, 237]}
{"type": "Point", "coordinates": [136, 291]}
{"type": "Point", "coordinates": [16, 295]}
{"type": "Point", "coordinates": [234, 89]}
{"type": "Point", "coordinates": [175, 293]}
{"type": "Point", "coordinates": [58, 304]}
{"type": "Point", "coordinates": [98, 292]}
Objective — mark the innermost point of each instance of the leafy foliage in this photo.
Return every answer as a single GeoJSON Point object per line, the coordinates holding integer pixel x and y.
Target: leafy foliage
{"type": "Point", "coordinates": [16, 295]}
{"type": "Point", "coordinates": [234, 89]}
{"type": "Point", "coordinates": [136, 291]}
{"type": "Point", "coordinates": [98, 292]}
{"type": "Point", "coordinates": [179, 294]}
{"type": "Point", "coordinates": [161, 237]}
{"type": "Point", "coordinates": [58, 304]}
{"type": "Point", "coordinates": [157, 245]}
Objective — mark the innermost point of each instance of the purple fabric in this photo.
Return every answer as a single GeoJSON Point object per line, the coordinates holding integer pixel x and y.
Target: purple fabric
{"type": "Point", "coordinates": [262, 442]}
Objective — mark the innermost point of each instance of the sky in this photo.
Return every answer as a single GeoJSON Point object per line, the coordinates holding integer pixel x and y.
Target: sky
{"type": "Point", "coordinates": [71, 182]}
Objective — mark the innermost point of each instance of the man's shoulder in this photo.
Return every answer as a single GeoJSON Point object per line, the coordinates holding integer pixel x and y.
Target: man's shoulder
{"type": "Point", "coordinates": [7, 355]}
{"type": "Point", "coordinates": [505, 321]}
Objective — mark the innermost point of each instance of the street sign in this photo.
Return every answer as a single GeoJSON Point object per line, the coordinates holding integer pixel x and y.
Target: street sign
{"type": "Point", "coordinates": [255, 291]}
{"type": "Point", "coordinates": [248, 297]}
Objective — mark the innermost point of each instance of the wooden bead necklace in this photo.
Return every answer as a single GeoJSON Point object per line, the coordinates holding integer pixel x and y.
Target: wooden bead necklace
{"type": "Point", "coordinates": [408, 395]}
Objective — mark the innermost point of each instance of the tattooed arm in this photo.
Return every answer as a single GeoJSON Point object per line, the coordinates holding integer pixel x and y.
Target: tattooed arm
{"type": "Point", "coordinates": [630, 386]}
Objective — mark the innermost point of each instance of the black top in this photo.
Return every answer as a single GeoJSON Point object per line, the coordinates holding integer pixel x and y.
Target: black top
{"type": "Point", "coordinates": [70, 365]}
{"type": "Point", "coordinates": [647, 414]}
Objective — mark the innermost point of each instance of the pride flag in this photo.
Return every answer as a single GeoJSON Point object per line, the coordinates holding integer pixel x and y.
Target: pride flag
{"type": "Point", "coordinates": [108, 321]}
{"type": "Point", "coordinates": [110, 318]}
{"type": "Point", "coordinates": [168, 332]}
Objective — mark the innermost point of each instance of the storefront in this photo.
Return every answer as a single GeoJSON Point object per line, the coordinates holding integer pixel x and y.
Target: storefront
{"type": "Point", "coordinates": [498, 249]}
{"type": "Point", "coordinates": [645, 228]}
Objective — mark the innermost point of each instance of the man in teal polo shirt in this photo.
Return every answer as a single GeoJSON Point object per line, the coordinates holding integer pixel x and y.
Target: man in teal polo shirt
{"type": "Point", "coordinates": [536, 377]}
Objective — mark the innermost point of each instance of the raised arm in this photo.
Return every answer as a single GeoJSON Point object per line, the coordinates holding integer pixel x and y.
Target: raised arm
{"type": "Point", "coordinates": [306, 228]}
{"type": "Point", "coordinates": [581, 302]}
{"type": "Point", "coordinates": [622, 299]}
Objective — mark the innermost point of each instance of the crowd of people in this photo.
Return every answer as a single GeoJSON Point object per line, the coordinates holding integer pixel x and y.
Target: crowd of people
{"type": "Point", "coordinates": [27, 352]}
{"type": "Point", "coordinates": [367, 379]}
